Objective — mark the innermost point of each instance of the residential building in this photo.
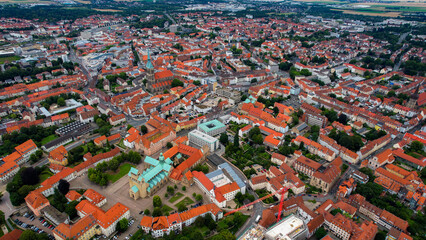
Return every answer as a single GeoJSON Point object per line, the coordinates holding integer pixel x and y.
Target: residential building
{"type": "Point", "coordinates": [325, 177]}
{"type": "Point", "coordinates": [36, 202]}
{"type": "Point", "coordinates": [94, 197]}
{"type": "Point", "coordinates": [59, 156]}
{"type": "Point", "coordinates": [212, 128]}
{"type": "Point", "coordinates": [201, 139]}
{"type": "Point", "coordinates": [220, 185]}
{"type": "Point", "coordinates": [159, 226]}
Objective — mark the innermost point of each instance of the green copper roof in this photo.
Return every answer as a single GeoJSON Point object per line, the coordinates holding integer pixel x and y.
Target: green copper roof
{"type": "Point", "coordinates": [157, 171]}
{"type": "Point", "coordinates": [133, 171]}
{"type": "Point", "coordinates": [211, 126]}
{"type": "Point", "coordinates": [135, 189]}
{"type": "Point", "coordinates": [149, 63]}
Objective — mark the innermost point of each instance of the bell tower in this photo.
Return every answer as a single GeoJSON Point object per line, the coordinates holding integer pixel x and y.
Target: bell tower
{"type": "Point", "coordinates": [150, 73]}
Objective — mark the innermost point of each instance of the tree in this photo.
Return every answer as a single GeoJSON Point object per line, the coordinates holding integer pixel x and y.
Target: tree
{"type": "Point", "coordinates": [157, 212]}
{"type": "Point", "coordinates": [416, 146]}
{"type": "Point", "coordinates": [177, 83]}
{"type": "Point", "coordinates": [16, 199]}
{"type": "Point", "coordinates": [197, 83]}
{"type": "Point", "coordinates": [237, 140]}
{"type": "Point", "coordinates": [147, 212]}
{"type": "Point", "coordinates": [113, 164]}
{"type": "Point", "coordinates": [224, 139]}
{"type": "Point", "coordinates": [122, 225]}
{"type": "Point", "coordinates": [33, 158]}
{"type": "Point", "coordinates": [29, 176]}
{"type": "Point", "coordinates": [224, 235]}
{"type": "Point", "coordinates": [276, 110]}
{"type": "Point", "coordinates": [28, 235]}
{"type": "Point", "coordinates": [156, 201]}
{"type": "Point", "coordinates": [169, 145]}
{"type": "Point", "coordinates": [61, 102]}
{"type": "Point", "coordinates": [144, 129]}
{"type": "Point", "coordinates": [381, 235]}
{"type": "Point", "coordinates": [181, 207]}
{"type": "Point", "coordinates": [258, 139]}
{"type": "Point", "coordinates": [391, 93]}
{"type": "Point", "coordinates": [320, 233]}
{"type": "Point", "coordinates": [343, 119]}
{"type": "Point", "coordinates": [305, 72]}
{"type": "Point", "coordinates": [31, 235]}
{"type": "Point", "coordinates": [170, 190]}
{"type": "Point", "coordinates": [63, 186]}
{"type": "Point", "coordinates": [70, 209]}
{"type": "Point", "coordinates": [198, 197]}
{"type": "Point", "coordinates": [369, 190]}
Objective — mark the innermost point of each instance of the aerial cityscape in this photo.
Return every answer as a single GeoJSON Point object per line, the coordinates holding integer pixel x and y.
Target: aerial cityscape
{"type": "Point", "coordinates": [217, 120]}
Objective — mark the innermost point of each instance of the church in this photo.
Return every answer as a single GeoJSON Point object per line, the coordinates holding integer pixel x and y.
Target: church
{"type": "Point", "coordinates": [157, 82]}
{"type": "Point", "coordinates": [146, 183]}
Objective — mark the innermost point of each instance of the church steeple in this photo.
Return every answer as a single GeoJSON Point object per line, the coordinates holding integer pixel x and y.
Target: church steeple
{"type": "Point", "coordinates": [149, 63]}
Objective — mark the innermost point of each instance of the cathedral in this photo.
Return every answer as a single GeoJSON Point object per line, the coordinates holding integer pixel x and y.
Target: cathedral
{"type": "Point", "coordinates": [157, 81]}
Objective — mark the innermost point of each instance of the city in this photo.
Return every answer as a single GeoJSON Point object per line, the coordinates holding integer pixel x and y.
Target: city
{"type": "Point", "coordinates": [212, 120]}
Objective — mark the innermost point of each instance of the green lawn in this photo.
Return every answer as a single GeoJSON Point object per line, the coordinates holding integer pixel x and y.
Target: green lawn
{"type": "Point", "coordinates": [48, 139]}
{"type": "Point", "coordinates": [124, 169]}
{"type": "Point", "coordinates": [166, 209]}
{"type": "Point", "coordinates": [12, 223]}
{"type": "Point", "coordinates": [175, 197]}
{"type": "Point", "coordinates": [45, 175]}
{"type": "Point", "coordinates": [186, 201]}
{"type": "Point", "coordinates": [10, 59]}
{"type": "Point", "coordinates": [121, 144]}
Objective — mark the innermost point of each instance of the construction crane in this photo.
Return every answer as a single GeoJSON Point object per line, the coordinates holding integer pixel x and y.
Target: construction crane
{"type": "Point", "coordinates": [281, 205]}
{"type": "Point", "coordinates": [282, 190]}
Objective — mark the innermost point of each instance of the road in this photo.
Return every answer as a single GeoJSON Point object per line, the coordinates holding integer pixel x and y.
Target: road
{"type": "Point", "coordinates": [401, 38]}
{"type": "Point", "coordinates": [169, 17]}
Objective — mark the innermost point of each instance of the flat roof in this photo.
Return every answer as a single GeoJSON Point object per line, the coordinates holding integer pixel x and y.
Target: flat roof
{"type": "Point", "coordinates": [203, 136]}
{"type": "Point", "coordinates": [211, 125]}
{"type": "Point", "coordinates": [283, 229]}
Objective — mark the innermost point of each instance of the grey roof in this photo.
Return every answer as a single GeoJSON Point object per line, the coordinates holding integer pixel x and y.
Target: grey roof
{"type": "Point", "coordinates": [302, 126]}
{"type": "Point", "coordinates": [232, 173]}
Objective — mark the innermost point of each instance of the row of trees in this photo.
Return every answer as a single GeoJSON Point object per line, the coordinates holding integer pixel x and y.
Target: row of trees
{"type": "Point", "coordinates": [36, 133]}
{"type": "Point", "coordinates": [60, 100]}
{"type": "Point", "coordinates": [103, 124]}
{"type": "Point", "coordinates": [24, 182]}
{"type": "Point", "coordinates": [353, 142]}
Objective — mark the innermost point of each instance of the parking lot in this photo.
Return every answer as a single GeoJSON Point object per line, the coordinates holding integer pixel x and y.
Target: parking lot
{"type": "Point", "coordinates": [32, 222]}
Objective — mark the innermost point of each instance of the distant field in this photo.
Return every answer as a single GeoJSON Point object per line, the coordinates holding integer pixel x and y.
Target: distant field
{"type": "Point", "coordinates": [26, 1]}
{"type": "Point", "coordinates": [107, 10]}
{"type": "Point", "coordinates": [390, 8]}
{"type": "Point", "coordinates": [134, 0]}
{"type": "Point", "coordinates": [319, 1]}
{"type": "Point", "coordinates": [370, 13]}
{"type": "Point", "coordinates": [83, 1]}
{"type": "Point", "coordinates": [402, 3]}
{"type": "Point", "coordinates": [10, 59]}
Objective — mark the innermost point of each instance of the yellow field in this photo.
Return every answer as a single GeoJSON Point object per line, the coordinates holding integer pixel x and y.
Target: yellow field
{"type": "Point", "coordinates": [402, 3]}
{"type": "Point", "coordinates": [83, 1]}
{"type": "Point", "coordinates": [107, 10]}
{"type": "Point", "coordinates": [386, 14]}
{"type": "Point", "coordinates": [319, 1]}
{"type": "Point", "coordinates": [26, 1]}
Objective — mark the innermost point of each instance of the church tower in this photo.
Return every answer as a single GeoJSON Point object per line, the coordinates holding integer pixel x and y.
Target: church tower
{"type": "Point", "coordinates": [150, 73]}
{"type": "Point", "coordinates": [413, 98]}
